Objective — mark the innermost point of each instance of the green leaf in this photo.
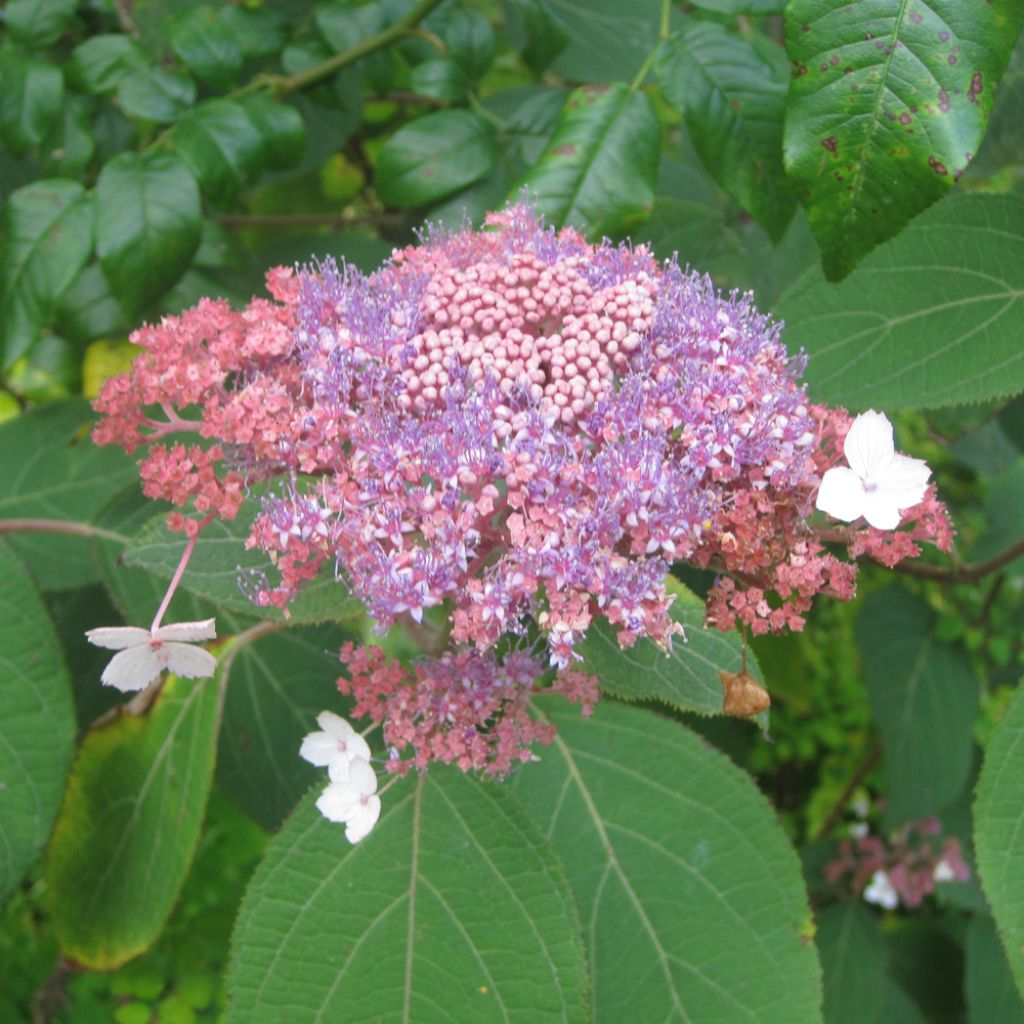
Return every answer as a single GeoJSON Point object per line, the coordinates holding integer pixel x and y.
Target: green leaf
{"type": "Point", "coordinates": [37, 24]}
{"type": "Point", "coordinates": [98, 64]}
{"type": "Point", "coordinates": [48, 234]}
{"type": "Point", "coordinates": [998, 838]}
{"type": "Point", "coordinates": [888, 105]}
{"type": "Point", "coordinates": [53, 471]}
{"type": "Point", "coordinates": [691, 896]}
{"type": "Point", "coordinates": [153, 94]}
{"type": "Point", "coordinates": [454, 908]}
{"type": "Point", "coordinates": [37, 728]}
{"type": "Point", "coordinates": [88, 309]}
{"type": "Point", "coordinates": [344, 26]}
{"type": "Point", "coordinates": [545, 38]}
{"type": "Point", "coordinates": [732, 98]}
{"type": "Point", "coordinates": [69, 146]}
{"type": "Point", "coordinates": [930, 319]}
{"type": "Point", "coordinates": [434, 156]}
{"type": "Point", "coordinates": [924, 698]}
{"type": "Point", "coordinates": [31, 93]}
{"type": "Point", "coordinates": [854, 964]}
{"type": "Point", "coordinates": [206, 46]}
{"type": "Point", "coordinates": [221, 144]}
{"type": "Point", "coordinates": [469, 38]}
{"type": "Point", "coordinates": [598, 171]}
{"type": "Point", "coordinates": [129, 824]}
{"type": "Point", "coordinates": [440, 80]}
{"type": "Point", "coordinates": [733, 7]}
{"type": "Point", "coordinates": [988, 983]}
{"type": "Point", "coordinates": [1004, 498]}
{"type": "Point", "coordinates": [282, 129]}
{"type": "Point", "coordinates": [530, 114]}
{"type": "Point", "coordinates": [608, 40]}
{"type": "Point", "coordinates": [687, 678]}
{"type": "Point", "coordinates": [221, 560]}
{"type": "Point", "coordinates": [260, 31]}
{"type": "Point", "coordinates": [148, 224]}
{"type": "Point", "coordinates": [278, 685]}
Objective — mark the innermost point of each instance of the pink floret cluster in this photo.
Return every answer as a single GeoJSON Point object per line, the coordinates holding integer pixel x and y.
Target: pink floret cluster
{"type": "Point", "coordinates": [515, 426]}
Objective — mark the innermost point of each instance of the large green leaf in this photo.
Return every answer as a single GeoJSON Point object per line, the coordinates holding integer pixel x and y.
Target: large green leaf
{"type": "Point", "coordinates": [130, 822]}
{"type": "Point", "coordinates": [732, 97]}
{"type": "Point", "coordinates": [282, 129]}
{"type": "Point", "coordinates": [219, 141]}
{"type": "Point", "coordinates": [148, 221]}
{"type": "Point", "coordinates": [888, 105]}
{"type": "Point", "coordinates": [932, 318]}
{"type": "Point", "coordinates": [152, 93]}
{"type": "Point", "coordinates": [51, 470]}
{"type": "Point", "coordinates": [48, 234]}
{"type": "Point", "coordinates": [98, 64]}
{"type": "Point", "coordinates": [607, 40]}
{"type": "Point", "coordinates": [37, 727]}
{"type": "Point", "coordinates": [988, 983]}
{"type": "Point", "coordinates": [998, 837]}
{"type": "Point", "coordinates": [278, 685]}
{"type": "Point", "coordinates": [598, 171]}
{"type": "Point", "coordinates": [687, 679]}
{"type": "Point", "coordinates": [691, 896]}
{"type": "Point", "coordinates": [924, 698]}
{"type": "Point", "coordinates": [207, 46]}
{"type": "Point", "coordinates": [854, 964]}
{"type": "Point", "coordinates": [434, 156]}
{"type": "Point", "coordinates": [37, 24]}
{"type": "Point", "coordinates": [221, 561]}
{"type": "Point", "coordinates": [453, 909]}
{"type": "Point", "coordinates": [31, 92]}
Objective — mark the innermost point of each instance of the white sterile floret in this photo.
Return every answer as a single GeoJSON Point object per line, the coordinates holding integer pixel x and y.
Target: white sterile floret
{"type": "Point", "coordinates": [143, 655]}
{"type": "Point", "coordinates": [351, 797]}
{"type": "Point", "coordinates": [879, 482]}
{"type": "Point", "coordinates": [880, 891]}
{"type": "Point", "coordinates": [338, 740]}
{"type": "Point", "coordinates": [943, 872]}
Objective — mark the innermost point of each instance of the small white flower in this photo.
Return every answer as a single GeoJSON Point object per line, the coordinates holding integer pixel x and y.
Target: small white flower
{"type": "Point", "coordinates": [143, 655]}
{"type": "Point", "coordinates": [943, 872]}
{"type": "Point", "coordinates": [858, 829]}
{"type": "Point", "coordinates": [337, 741]}
{"type": "Point", "coordinates": [879, 482]}
{"type": "Point", "coordinates": [881, 892]}
{"type": "Point", "coordinates": [351, 797]}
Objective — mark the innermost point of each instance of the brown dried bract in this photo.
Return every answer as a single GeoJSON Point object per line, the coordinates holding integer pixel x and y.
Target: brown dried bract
{"type": "Point", "coordinates": [744, 695]}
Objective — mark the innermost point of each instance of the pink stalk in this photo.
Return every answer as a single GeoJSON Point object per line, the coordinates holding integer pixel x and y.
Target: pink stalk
{"type": "Point", "coordinates": [186, 555]}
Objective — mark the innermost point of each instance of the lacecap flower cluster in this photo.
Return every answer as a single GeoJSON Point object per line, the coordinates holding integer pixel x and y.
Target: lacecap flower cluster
{"type": "Point", "coordinates": [498, 438]}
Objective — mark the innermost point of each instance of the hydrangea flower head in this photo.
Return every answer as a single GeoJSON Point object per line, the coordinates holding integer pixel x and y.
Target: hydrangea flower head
{"type": "Point", "coordinates": [516, 432]}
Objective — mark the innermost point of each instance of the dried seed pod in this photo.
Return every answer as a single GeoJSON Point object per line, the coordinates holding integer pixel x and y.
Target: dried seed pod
{"type": "Point", "coordinates": [744, 695]}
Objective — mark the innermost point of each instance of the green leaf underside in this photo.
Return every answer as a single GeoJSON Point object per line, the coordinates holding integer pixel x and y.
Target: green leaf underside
{"type": "Point", "coordinates": [129, 824]}
{"type": "Point", "coordinates": [48, 232]}
{"type": "Point", "coordinates": [37, 727]}
{"type": "Point", "coordinates": [930, 319]}
{"type": "Point", "coordinates": [853, 960]}
{"type": "Point", "coordinates": [989, 990]}
{"type": "Point", "coordinates": [434, 156]}
{"type": "Point", "coordinates": [732, 99]}
{"type": "Point", "coordinates": [148, 221]}
{"type": "Point", "coordinates": [454, 909]}
{"type": "Point", "coordinates": [599, 168]}
{"type": "Point", "coordinates": [687, 678]}
{"type": "Point", "coordinates": [924, 699]}
{"type": "Point", "coordinates": [221, 559]}
{"type": "Point", "coordinates": [277, 687]}
{"type": "Point", "coordinates": [998, 836]}
{"type": "Point", "coordinates": [888, 105]}
{"type": "Point", "coordinates": [52, 470]}
{"type": "Point", "coordinates": [691, 897]}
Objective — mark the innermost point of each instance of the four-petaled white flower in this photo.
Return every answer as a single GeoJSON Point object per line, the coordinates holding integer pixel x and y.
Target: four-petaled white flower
{"type": "Point", "coordinates": [943, 872]}
{"type": "Point", "coordinates": [881, 892]}
{"type": "Point", "coordinates": [144, 654]}
{"type": "Point", "coordinates": [879, 482]}
{"type": "Point", "coordinates": [351, 797]}
{"type": "Point", "coordinates": [338, 742]}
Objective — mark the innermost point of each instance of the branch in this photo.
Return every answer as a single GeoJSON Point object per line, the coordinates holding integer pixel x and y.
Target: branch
{"type": "Point", "coordinates": [869, 762]}
{"type": "Point", "coordinates": [71, 529]}
{"type": "Point", "coordinates": [283, 85]}
{"type": "Point", "coordinates": [964, 573]}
